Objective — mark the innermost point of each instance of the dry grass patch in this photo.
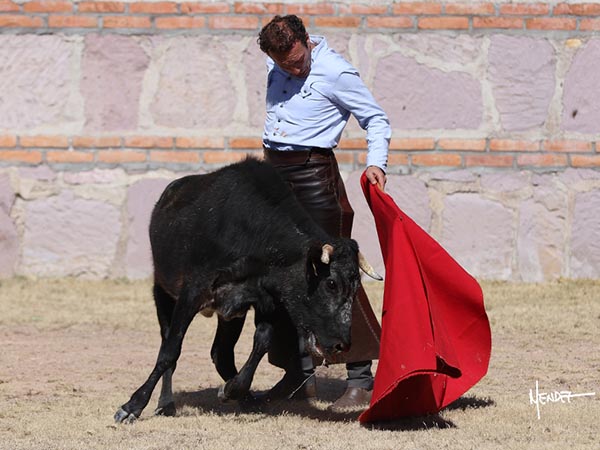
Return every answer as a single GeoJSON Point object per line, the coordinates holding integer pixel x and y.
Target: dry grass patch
{"type": "Point", "coordinates": [73, 351]}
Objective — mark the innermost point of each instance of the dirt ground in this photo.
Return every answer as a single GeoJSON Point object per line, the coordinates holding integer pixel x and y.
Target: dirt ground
{"type": "Point", "coordinates": [73, 351]}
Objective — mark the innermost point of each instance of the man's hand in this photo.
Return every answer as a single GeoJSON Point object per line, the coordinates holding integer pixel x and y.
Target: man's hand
{"type": "Point", "coordinates": [376, 176]}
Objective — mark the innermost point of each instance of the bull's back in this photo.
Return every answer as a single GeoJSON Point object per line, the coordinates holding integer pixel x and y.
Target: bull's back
{"type": "Point", "coordinates": [207, 221]}
{"type": "Point", "coordinates": [247, 178]}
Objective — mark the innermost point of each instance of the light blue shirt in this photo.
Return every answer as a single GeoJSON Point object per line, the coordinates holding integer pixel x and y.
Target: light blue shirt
{"type": "Point", "coordinates": [313, 111]}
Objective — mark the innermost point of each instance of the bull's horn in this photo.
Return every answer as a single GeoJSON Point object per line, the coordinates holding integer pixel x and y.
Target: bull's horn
{"type": "Point", "coordinates": [327, 252]}
{"type": "Point", "coordinates": [367, 268]}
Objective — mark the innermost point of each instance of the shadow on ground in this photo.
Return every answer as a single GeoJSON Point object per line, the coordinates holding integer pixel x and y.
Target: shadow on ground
{"type": "Point", "coordinates": [470, 402]}
{"type": "Point", "coordinates": [433, 420]}
{"type": "Point", "coordinates": [206, 401]}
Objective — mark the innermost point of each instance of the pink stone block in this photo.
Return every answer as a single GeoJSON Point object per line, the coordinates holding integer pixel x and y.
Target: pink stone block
{"type": "Point", "coordinates": [113, 68]}
{"type": "Point", "coordinates": [255, 73]}
{"type": "Point", "coordinates": [505, 181]}
{"type": "Point", "coordinates": [581, 99]}
{"type": "Point", "coordinates": [141, 198]}
{"type": "Point", "coordinates": [195, 89]}
{"type": "Point", "coordinates": [9, 245]}
{"type": "Point", "coordinates": [9, 239]}
{"type": "Point", "coordinates": [540, 241]}
{"type": "Point", "coordinates": [40, 173]}
{"type": "Point", "coordinates": [522, 71]}
{"type": "Point", "coordinates": [95, 176]}
{"type": "Point", "coordinates": [66, 235]}
{"type": "Point", "coordinates": [478, 233]}
{"type": "Point", "coordinates": [7, 195]}
{"type": "Point", "coordinates": [419, 97]}
{"type": "Point", "coordinates": [36, 80]}
{"type": "Point", "coordinates": [585, 236]}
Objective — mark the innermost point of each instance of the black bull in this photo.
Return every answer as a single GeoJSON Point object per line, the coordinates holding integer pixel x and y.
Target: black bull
{"type": "Point", "coordinates": [234, 239]}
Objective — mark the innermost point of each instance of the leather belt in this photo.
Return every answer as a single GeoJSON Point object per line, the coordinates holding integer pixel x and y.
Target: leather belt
{"type": "Point", "coordinates": [294, 157]}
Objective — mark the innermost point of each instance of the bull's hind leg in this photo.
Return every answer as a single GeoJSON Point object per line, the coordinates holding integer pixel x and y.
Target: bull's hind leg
{"type": "Point", "coordinates": [170, 349]}
{"type": "Point", "coordinates": [222, 351]}
{"type": "Point", "coordinates": [238, 387]}
{"type": "Point", "coordinates": [165, 305]}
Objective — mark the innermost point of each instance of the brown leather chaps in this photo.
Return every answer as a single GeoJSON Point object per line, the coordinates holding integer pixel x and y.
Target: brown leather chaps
{"type": "Point", "coordinates": [315, 180]}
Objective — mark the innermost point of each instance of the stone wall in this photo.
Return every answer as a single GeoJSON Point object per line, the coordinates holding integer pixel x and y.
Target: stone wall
{"type": "Point", "coordinates": [509, 225]}
{"type": "Point", "coordinates": [494, 108]}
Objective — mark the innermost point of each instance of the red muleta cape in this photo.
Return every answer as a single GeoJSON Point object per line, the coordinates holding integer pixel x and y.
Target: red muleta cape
{"type": "Point", "coordinates": [435, 338]}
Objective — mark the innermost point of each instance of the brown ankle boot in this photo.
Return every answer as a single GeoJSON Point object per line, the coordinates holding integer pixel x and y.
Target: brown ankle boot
{"type": "Point", "coordinates": [352, 398]}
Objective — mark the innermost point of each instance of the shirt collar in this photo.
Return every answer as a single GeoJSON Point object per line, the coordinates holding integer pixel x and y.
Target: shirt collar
{"type": "Point", "coordinates": [321, 44]}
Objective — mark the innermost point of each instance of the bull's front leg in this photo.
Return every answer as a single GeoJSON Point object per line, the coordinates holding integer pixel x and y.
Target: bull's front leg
{"type": "Point", "coordinates": [170, 349]}
{"type": "Point", "coordinates": [238, 387]}
{"type": "Point", "coordinates": [222, 350]}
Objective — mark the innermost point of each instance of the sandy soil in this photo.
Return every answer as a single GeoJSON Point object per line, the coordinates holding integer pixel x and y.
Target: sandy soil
{"type": "Point", "coordinates": [73, 351]}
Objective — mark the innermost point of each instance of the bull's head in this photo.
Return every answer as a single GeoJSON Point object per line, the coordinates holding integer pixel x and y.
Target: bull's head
{"type": "Point", "coordinates": [332, 276]}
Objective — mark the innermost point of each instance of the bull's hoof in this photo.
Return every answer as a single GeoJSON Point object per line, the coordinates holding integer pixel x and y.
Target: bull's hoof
{"type": "Point", "coordinates": [122, 416]}
{"type": "Point", "coordinates": [165, 410]}
{"type": "Point", "coordinates": [231, 391]}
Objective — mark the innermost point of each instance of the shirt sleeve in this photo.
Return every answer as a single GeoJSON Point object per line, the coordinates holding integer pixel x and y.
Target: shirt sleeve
{"type": "Point", "coordinates": [353, 95]}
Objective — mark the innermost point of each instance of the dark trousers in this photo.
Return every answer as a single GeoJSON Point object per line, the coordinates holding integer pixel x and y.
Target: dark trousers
{"type": "Point", "coordinates": [315, 179]}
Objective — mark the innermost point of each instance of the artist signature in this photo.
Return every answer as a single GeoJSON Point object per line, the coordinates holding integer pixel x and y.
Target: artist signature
{"type": "Point", "coordinates": [538, 398]}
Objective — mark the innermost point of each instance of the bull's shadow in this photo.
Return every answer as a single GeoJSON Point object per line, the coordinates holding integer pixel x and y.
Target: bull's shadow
{"type": "Point", "coordinates": [206, 400]}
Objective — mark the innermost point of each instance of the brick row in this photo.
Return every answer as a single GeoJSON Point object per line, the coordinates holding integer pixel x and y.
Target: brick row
{"type": "Point", "coordinates": [123, 157]}
{"type": "Point", "coordinates": [193, 150]}
{"type": "Point", "coordinates": [168, 15]}
{"type": "Point", "coordinates": [246, 142]}
{"type": "Point", "coordinates": [254, 23]}
{"type": "Point", "coordinates": [423, 8]}
{"type": "Point", "coordinates": [423, 160]}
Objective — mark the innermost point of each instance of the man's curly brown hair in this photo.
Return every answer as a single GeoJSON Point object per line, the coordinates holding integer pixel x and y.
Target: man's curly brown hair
{"type": "Point", "coordinates": [281, 33]}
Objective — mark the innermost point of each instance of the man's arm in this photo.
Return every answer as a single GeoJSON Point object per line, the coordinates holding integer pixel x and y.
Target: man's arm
{"type": "Point", "coordinates": [353, 95]}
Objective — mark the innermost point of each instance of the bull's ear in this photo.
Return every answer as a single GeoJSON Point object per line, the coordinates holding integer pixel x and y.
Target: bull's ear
{"type": "Point", "coordinates": [313, 256]}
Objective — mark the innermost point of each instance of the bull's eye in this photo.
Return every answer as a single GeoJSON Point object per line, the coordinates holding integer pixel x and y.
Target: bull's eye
{"type": "Point", "coordinates": [331, 284]}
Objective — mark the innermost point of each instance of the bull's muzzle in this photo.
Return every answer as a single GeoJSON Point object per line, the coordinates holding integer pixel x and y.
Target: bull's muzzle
{"type": "Point", "coordinates": [338, 345]}
{"type": "Point", "coordinates": [341, 347]}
